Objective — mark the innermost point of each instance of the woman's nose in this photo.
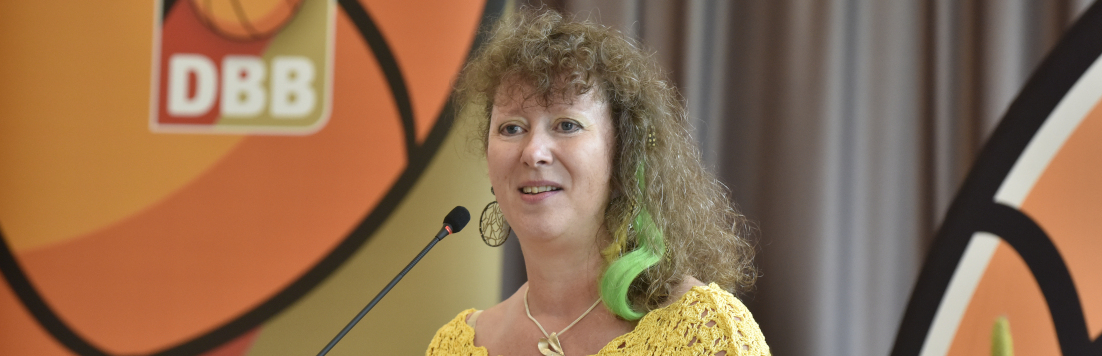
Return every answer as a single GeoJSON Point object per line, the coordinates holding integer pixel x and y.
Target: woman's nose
{"type": "Point", "coordinates": [537, 151]}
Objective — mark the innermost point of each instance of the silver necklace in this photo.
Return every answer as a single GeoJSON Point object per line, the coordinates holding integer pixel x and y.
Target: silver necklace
{"type": "Point", "coordinates": [549, 344]}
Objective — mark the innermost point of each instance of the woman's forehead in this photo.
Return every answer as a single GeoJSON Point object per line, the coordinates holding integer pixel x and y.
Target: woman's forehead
{"type": "Point", "coordinates": [521, 100]}
{"type": "Point", "coordinates": [512, 93]}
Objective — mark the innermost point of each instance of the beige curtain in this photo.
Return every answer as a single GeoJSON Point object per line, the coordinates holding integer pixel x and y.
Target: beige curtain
{"type": "Point", "coordinates": [844, 129]}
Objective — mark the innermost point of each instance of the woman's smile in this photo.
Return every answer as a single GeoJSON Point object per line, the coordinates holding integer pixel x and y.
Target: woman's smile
{"type": "Point", "coordinates": [537, 190]}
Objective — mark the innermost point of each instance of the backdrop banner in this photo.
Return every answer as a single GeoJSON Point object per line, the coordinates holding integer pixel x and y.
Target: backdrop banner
{"type": "Point", "coordinates": [185, 177]}
{"type": "Point", "coordinates": [1015, 267]}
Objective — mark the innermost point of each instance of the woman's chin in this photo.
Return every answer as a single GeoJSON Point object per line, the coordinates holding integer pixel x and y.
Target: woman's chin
{"type": "Point", "coordinates": [537, 234]}
{"type": "Point", "coordinates": [541, 232]}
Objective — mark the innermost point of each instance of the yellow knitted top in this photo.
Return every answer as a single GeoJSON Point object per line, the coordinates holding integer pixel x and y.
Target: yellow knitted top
{"type": "Point", "coordinates": [707, 320]}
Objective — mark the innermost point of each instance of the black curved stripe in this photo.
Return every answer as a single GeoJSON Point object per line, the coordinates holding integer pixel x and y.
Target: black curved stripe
{"type": "Point", "coordinates": [933, 281]}
{"type": "Point", "coordinates": [1080, 46]}
{"type": "Point", "coordinates": [1049, 270]}
{"type": "Point", "coordinates": [166, 6]}
{"type": "Point", "coordinates": [42, 312]}
{"type": "Point", "coordinates": [419, 158]}
{"type": "Point", "coordinates": [393, 73]}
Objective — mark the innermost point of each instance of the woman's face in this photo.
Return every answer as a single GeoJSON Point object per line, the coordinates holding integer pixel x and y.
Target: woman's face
{"type": "Point", "coordinates": [550, 166]}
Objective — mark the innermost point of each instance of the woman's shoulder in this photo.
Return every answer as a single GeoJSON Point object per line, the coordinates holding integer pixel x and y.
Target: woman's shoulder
{"type": "Point", "coordinates": [455, 338]}
{"type": "Point", "coordinates": [704, 320]}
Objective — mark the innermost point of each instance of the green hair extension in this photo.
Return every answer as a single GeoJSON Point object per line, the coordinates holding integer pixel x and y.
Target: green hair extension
{"type": "Point", "coordinates": [650, 246]}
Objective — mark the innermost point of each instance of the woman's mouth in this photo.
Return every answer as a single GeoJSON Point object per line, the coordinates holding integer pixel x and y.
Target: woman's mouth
{"type": "Point", "coordinates": [537, 190]}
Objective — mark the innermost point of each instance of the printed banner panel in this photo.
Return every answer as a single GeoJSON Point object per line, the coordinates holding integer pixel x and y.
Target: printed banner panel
{"type": "Point", "coordinates": [234, 177]}
{"type": "Point", "coordinates": [1015, 268]}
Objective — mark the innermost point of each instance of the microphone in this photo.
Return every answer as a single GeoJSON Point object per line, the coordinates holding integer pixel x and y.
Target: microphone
{"type": "Point", "coordinates": [453, 223]}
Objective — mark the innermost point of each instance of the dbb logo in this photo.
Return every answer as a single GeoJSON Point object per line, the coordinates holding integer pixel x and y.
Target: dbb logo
{"type": "Point", "coordinates": [228, 68]}
{"type": "Point", "coordinates": [193, 86]}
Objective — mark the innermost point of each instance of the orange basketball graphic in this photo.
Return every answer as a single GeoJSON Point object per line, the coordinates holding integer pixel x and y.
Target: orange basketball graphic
{"type": "Point", "coordinates": [190, 239]}
{"type": "Point", "coordinates": [246, 19]}
{"type": "Point", "coordinates": [1015, 266]}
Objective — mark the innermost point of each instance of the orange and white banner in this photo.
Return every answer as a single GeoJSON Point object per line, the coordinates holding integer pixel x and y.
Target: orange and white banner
{"type": "Point", "coordinates": [234, 177]}
{"type": "Point", "coordinates": [1017, 265]}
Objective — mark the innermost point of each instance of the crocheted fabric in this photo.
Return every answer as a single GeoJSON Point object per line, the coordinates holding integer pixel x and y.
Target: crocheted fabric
{"type": "Point", "coordinates": [705, 321]}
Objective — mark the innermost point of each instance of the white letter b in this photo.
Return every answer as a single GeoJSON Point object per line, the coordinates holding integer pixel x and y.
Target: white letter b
{"type": "Point", "coordinates": [293, 93]}
{"type": "Point", "coordinates": [242, 93]}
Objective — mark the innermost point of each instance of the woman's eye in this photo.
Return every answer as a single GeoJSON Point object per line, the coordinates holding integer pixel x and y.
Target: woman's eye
{"type": "Point", "coordinates": [568, 126]}
{"type": "Point", "coordinates": [511, 129]}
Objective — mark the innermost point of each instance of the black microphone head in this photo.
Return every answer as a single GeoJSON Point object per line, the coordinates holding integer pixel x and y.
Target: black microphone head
{"type": "Point", "coordinates": [457, 218]}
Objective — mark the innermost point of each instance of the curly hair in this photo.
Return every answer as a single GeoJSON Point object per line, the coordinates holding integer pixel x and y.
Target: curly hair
{"type": "Point", "coordinates": [658, 181]}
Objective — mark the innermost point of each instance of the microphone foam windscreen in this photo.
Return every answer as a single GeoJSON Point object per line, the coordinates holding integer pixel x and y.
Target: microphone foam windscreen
{"type": "Point", "coordinates": [458, 218]}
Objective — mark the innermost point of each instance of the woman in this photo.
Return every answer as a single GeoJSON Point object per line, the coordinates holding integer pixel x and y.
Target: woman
{"type": "Point", "coordinates": [595, 172]}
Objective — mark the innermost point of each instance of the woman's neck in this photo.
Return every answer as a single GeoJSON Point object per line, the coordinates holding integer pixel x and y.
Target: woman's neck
{"type": "Point", "coordinates": [562, 277]}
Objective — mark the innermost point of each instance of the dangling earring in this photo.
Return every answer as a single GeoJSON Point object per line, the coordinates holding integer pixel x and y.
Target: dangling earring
{"type": "Point", "coordinates": [652, 139]}
{"type": "Point", "coordinates": [492, 225]}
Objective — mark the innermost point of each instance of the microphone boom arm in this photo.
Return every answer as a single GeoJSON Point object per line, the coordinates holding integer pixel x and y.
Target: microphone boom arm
{"type": "Point", "coordinates": [382, 293]}
{"type": "Point", "coordinates": [453, 222]}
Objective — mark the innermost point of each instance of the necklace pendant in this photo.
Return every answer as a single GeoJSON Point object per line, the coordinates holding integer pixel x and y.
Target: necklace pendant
{"type": "Point", "coordinates": [549, 346]}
